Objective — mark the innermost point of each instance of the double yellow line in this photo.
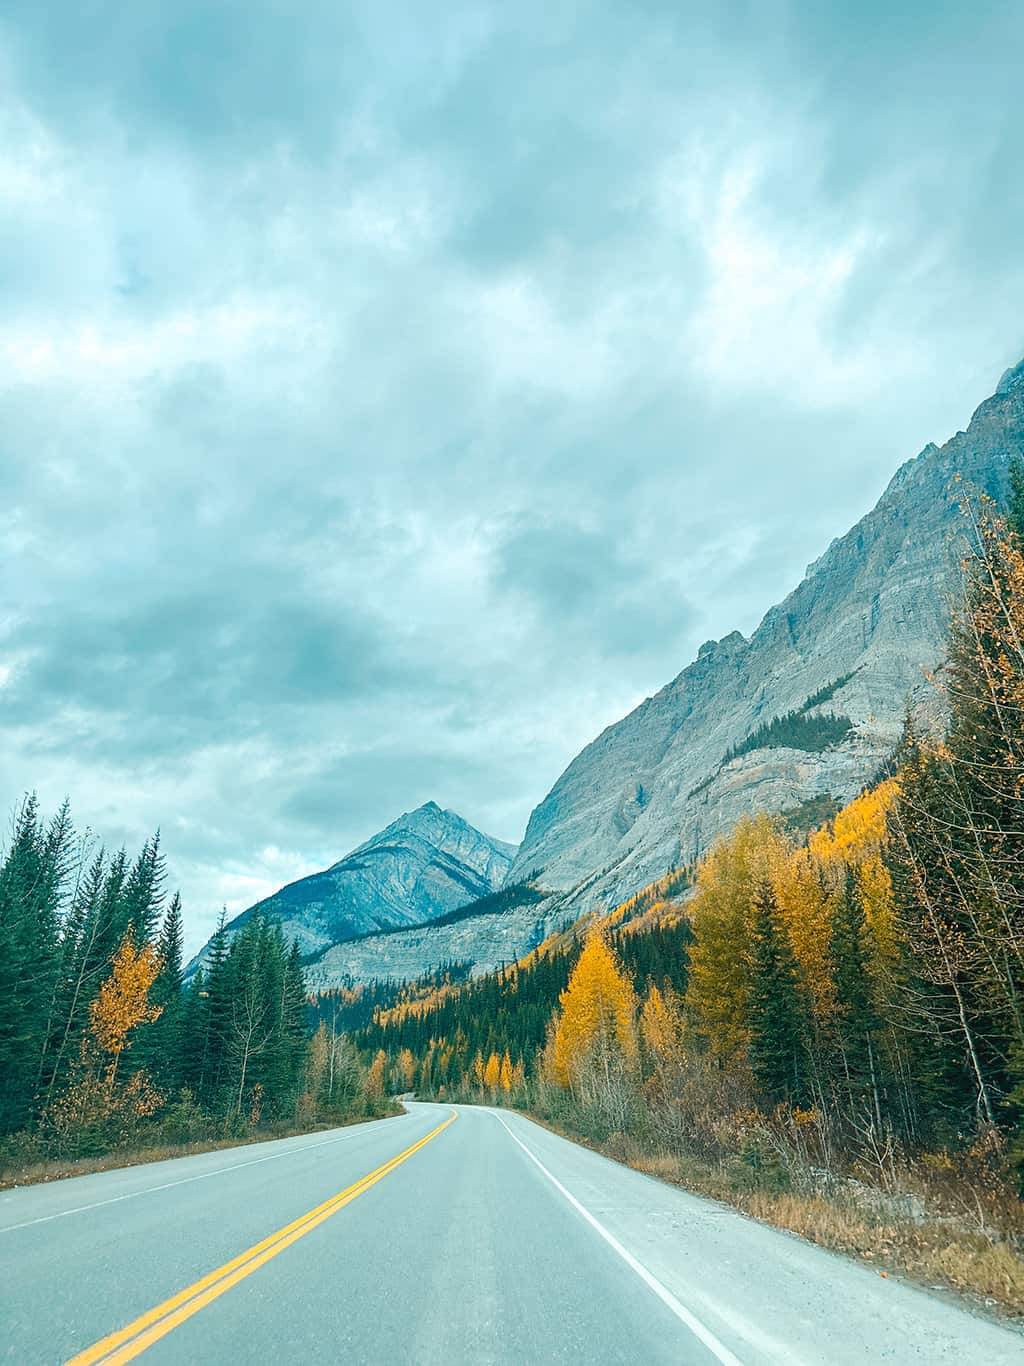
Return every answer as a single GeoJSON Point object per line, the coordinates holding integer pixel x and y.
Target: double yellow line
{"type": "Point", "coordinates": [130, 1341]}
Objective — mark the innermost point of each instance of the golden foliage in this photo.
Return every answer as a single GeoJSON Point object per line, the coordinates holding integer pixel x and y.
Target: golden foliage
{"type": "Point", "coordinates": [806, 881]}
{"type": "Point", "coordinates": [492, 1072]}
{"type": "Point", "coordinates": [92, 1113]}
{"type": "Point", "coordinates": [123, 1000]}
{"type": "Point", "coordinates": [661, 1026]}
{"type": "Point", "coordinates": [375, 1075]}
{"type": "Point", "coordinates": [722, 916]}
{"type": "Point", "coordinates": [598, 1012]}
{"type": "Point", "coordinates": [406, 1068]}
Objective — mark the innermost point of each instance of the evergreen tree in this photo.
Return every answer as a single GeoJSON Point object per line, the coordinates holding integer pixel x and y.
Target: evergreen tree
{"type": "Point", "coordinates": [856, 1019]}
{"type": "Point", "coordinates": [32, 886]}
{"type": "Point", "coordinates": [777, 1015]}
{"type": "Point", "coordinates": [161, 1046]}
{"type": "Point", "coordinates": [214, 1020]}
{"type": "Point", "coordinates": [1015, 501]}
{"type": "Point", "coordinates": [144, 892]}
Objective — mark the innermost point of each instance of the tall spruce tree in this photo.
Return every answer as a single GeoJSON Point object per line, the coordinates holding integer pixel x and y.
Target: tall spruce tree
{"type": "Point", "coordinates": [32, 880]}
{"type": "Point", "coordinates": [1015, 500]}
{"type": "Point", "coordinates": [777, 1013]}
{"type": "Point", "coordinates": [161, 1045]}
{"type": "Point", "coordinates": [857, 1022]}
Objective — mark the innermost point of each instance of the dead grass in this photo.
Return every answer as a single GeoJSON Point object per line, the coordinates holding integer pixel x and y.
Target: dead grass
{"type": "Point", "coordinates": [935, 1251]}
{"type": "Point", "coordinates": [15, 1171]}
{"type": "Point", "coordinates": [978, 1258]}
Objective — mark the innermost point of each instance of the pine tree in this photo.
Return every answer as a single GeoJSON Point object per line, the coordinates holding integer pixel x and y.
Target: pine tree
{"type": "Point", "coordinates": [1015, 502]}
{"type": "Point", "coordinates": [161, 1049]}
{"type": "Point", "coordinates": [143, 891]}
{"type": "Point", "coordinates": [778, 1020]}
{"type": "Point", "coordinates": [214, 1022]}
{"type": "Point", "coordinates": [32, 883]}
{"type": "Point", "coordinates": [857, 1022]}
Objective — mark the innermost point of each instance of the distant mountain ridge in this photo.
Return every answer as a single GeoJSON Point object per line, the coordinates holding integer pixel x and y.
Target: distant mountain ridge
{"type": "Point", "coordinates": [425, 864]}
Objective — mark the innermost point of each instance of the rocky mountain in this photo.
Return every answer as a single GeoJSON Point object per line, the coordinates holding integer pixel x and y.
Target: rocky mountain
{"type": "Point", "coordinates": [795, 719]}
{"type": "Point", "coordinates": [805, 711]}
{"type": "Point", "coordinates": [424, 865]}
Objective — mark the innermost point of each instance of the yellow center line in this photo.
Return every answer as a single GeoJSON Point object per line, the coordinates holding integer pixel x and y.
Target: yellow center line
{"type": "Point", "coordinates": [128, 1342]}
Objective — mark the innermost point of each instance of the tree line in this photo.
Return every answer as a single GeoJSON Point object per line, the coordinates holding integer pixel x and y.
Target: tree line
{"type": "Point", "coordinates": [852, 997]}
{"type": "Point", "coordinates": [103, 1043]}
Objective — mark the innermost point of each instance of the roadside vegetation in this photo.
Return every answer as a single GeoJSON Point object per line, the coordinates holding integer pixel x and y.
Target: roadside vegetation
{"type": "Point", "coordinates": [828, 1032]}
{"type": "Point", "coordinates": [106, 1050]}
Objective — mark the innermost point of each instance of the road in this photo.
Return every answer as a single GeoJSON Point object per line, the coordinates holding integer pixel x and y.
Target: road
{"type": "Point", "coordinates": [481, 1238]}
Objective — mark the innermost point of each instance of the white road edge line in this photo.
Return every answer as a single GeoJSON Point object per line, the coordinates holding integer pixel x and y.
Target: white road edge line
{"type": "Point", "coordinates": [182, 1181]}
{"type": "Point", "coordinates": [705, 1335]}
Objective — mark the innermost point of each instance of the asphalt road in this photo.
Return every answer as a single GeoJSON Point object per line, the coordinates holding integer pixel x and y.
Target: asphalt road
{"type": "Point", "coordinates": [486, 1240]}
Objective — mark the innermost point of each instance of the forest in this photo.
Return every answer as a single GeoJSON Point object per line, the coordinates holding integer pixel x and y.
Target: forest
{"type": "Point", "coordinates": [802, 1016]}
{"type": "Point", "coordinates": [103, 1043]}
{"type": "Point", "coordinates": [819, 1013]}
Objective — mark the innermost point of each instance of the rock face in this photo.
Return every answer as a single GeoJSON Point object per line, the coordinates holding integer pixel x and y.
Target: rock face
{"type": "Point", "coordinates": [862, 631]}
{"type": "Point", "coordinates": [483, 940]}
{"type": "Point", "coordinates": [857, 639]}
{"type": "Point", "coordinates": [423, 865]}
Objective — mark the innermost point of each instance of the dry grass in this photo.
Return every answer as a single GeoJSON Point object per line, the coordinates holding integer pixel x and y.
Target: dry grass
{"type": "Point", "coordinates": [978, 1257]}
{"type": "Point", "coordinates": [17, 1171]}
{"type": "Point", "coordinates": [934, 1250]}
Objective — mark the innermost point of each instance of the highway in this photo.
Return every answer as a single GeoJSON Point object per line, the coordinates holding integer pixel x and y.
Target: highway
{"type": "Point", "coordinates": [439, 1236]}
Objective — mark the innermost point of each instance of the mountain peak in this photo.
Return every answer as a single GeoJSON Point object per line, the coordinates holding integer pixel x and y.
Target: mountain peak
{"type": "Point", "coordinates": [426, 863]}
{"type": "Point", "coordinates": [1012, 379]}
{"type": "Point", "coordinates": [439, 826]}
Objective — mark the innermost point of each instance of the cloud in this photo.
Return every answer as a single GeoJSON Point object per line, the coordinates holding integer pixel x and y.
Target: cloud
{"type": "Point", "coordinates": [388, 405]}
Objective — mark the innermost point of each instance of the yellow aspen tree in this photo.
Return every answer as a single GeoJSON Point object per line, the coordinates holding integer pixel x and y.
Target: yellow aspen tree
{"type": "Point", "coordinates": [122, 1003]}
{"type": "Point", "coordinates": [859, 829]}
{"type": "Point", "coordinates": [506, 1073]}
{"type": "Point", "coordinates": [805, 890]}
{"type": "Point", "coordinates": [478, 1070]}
{"type": "Point", "coordinates": [878, 899]}
{"type": "Point", "coordinates": [598, 1014]}
{"type": "Point", "coordinates": [857, 837]}
{"type": "Point", "coordinates": [492, 1072]}
{"type": "Point", "coordinates": [660, 1027]}
{"type": "Point", "coordinates": [406, 1068]}
{"type": "Point", "coordinates": [722, 916]}
{"type": "Point", "coordinates": [518, 1076]}
{"type": "Point", "coordinates": [375, 1075]}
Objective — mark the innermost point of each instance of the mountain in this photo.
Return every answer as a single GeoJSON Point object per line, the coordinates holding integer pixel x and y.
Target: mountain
{"type": "Point", "coordinates": [804, 712]}
{"type": "Point", "coordinates": [424, 865]}
{"type": "Point", "coordinates": [794, 720]}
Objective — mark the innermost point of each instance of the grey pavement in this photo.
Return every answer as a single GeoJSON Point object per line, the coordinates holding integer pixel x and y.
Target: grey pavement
{"type": "Point", "coordinates": [496, 1242]}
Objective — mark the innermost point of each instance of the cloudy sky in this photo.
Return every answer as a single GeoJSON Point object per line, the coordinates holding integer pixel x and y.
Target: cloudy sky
{"type": "Point", "coordinates": [393, 395]}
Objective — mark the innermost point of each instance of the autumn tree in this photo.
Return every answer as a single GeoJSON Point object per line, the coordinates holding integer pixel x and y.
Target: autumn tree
{"type": "Point", "coordinates": [375, 1076]}
{"type": "Point", "coordinates": [492, 1073]}
{"type": "Point", "coordinates": [721, 910]}
{"type": "Point", "coordinates": [595, 1034]}
{"type": "Point", "coordinates": [123, 1003]}
{"type": "Point", "coordinates": [406, 1069]}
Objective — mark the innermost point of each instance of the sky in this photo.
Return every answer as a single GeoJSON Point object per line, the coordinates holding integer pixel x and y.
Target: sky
{"type": "Point", "coordinates": [392, 396]}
